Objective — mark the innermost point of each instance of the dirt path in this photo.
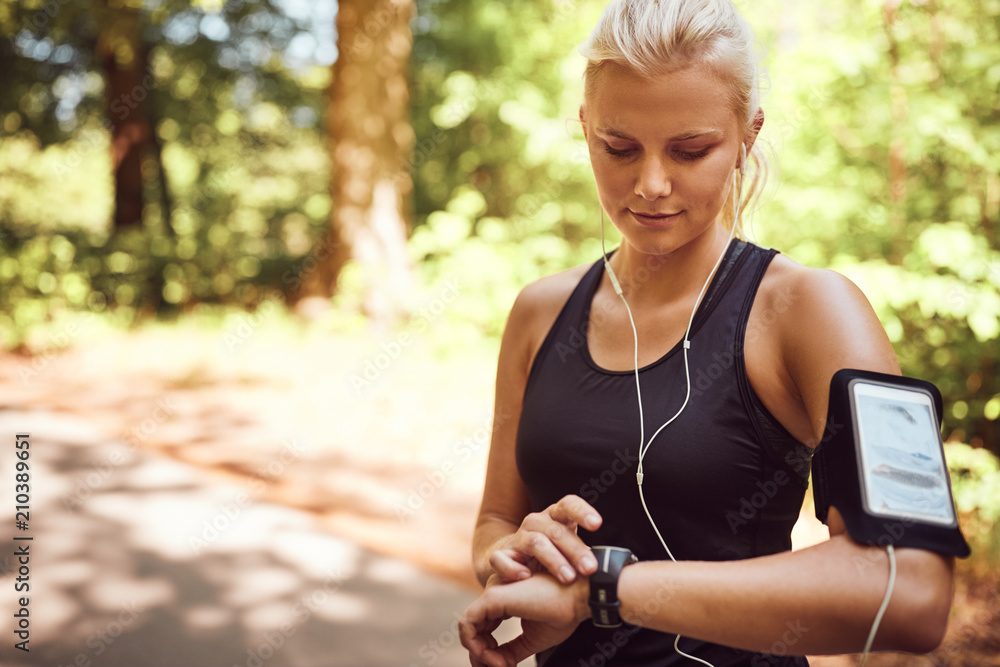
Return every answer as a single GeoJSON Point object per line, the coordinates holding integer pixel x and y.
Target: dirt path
{"type": "Point", "coordinates": [383, 444]}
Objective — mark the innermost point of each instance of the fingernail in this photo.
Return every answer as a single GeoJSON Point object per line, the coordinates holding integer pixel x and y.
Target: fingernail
{"type": "Point", "coordinates": [588, 562]}
{"type": "Point", "coordinates": [566, 573]}
{"type": "Point", "coordinates": [523, 575]}
{"type": "Point", "coordinates": [592, 522]}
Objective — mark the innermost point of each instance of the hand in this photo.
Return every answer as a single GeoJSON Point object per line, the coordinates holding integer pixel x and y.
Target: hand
{"type": "Point", "coordinates": [549, 613]}
{"type": "Point", "coordinates": [547, 541]}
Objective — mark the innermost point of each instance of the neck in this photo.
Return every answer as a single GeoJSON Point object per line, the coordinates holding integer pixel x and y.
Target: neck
{"type": "Point", "coordinates": [678, 276]}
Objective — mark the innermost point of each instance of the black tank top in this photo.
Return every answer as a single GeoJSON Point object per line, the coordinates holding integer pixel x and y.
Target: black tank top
{"type": "Point", "coordinates": [724, 481]}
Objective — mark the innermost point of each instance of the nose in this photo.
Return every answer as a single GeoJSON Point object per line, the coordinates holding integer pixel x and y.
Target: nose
{"type": "Point", "coordinates": [654, 178]}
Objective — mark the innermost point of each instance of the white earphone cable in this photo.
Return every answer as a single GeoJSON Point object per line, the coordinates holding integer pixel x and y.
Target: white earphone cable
{"type": "Point", "coordinates": [885, 603]}
{"type": "Point", "coordinates": [643, 444]}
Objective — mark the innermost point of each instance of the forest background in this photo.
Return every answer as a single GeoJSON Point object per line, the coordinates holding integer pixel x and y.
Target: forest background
{"type": "Point", "coordinates": [387, 176]}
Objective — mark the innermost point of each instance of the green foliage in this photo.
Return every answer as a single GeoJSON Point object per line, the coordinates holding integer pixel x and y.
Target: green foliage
{"type": "Point", "coordinates": [849, 90]}
{"type": "Point", "coordinates": [975, 483]}
{"type": "Point", "coordinates": [234, 235]}
{"type": "Point", "coordinates": [503, 188]}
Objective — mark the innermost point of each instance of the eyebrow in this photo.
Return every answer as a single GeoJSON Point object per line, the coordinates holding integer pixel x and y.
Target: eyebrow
{"type": "Point", "coordinates": [685, 136]}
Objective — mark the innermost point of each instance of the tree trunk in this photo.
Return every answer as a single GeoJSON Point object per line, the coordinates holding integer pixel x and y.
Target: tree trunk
{"type": "Point", "coordinates": [368, 125]}
{"type": "Point", "coordinates": [128, 82]}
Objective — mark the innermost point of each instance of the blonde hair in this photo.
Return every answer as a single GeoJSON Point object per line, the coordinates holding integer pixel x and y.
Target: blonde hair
{"type": "Point", "coordinates": [654, 37]}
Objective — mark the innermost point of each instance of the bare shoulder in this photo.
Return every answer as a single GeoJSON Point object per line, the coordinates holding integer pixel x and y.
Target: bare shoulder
{"type": "Point", "coordinates": [789, 286]}
{"type": "Point", "coordinates": [822, 311]}
{"type": "Point", "coordinates": [814, 322]}
{"type": "Point", "coordinates": [535, 310]}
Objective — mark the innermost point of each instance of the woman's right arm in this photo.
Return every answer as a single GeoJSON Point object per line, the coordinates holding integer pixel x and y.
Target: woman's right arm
{"type": "Point", "coordinates": [509, 540]}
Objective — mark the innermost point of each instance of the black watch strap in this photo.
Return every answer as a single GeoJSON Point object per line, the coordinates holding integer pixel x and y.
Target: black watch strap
{"type": "Point", "coordinates": [604, 603]}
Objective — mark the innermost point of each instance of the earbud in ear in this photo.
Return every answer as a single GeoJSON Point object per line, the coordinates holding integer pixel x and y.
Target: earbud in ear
{"type": "Point", "coordinates": [743, 159]}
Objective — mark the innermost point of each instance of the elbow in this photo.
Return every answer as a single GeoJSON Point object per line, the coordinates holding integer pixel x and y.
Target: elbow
{"type": "Point", "coordinates": [926, 632]}
{"type": "Point", "coordinates": [925, 607]}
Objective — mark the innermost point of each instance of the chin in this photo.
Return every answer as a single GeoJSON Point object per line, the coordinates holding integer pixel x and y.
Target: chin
{"type": "Point", "coordinates": [653, 247]}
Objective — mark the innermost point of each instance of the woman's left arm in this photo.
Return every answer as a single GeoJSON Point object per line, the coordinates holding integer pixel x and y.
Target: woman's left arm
{"type": "Point", "coordinates": [822, 599]}
{"type": "Point", "coordinates": [818, 600]}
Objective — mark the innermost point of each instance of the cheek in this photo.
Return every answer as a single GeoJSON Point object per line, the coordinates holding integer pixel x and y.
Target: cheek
{"type": "Point", "coordinates": [611, 180]}
{"type": "Point", "coordinates": [711, 186]}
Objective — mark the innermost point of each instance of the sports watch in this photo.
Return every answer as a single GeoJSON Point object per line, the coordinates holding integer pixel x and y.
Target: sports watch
{"type": "Point", "coordinates": [603, 600]}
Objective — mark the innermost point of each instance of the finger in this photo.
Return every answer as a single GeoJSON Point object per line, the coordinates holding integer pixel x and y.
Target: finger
{"type": "Point", "coordinates": [483, 647]}
{"type": "Point", "coordinates": [468, 634]}
{"type": "Point", "coordinates": [514, 651]}
{"type": "Point", "coordinates": [573, 509]}
{"type": "Point", "coordinates": [504, 563]}
{"type": "Point", "coordinates": [541, 545]}
{"type": "Point", "coordinates": [476, 626]}
{"type": "Point", "coordinates": [492, 658]}
{"type": "Point", "coordinates": [556, 546]}
{"type": "Point", "coordinates": [578, 511]}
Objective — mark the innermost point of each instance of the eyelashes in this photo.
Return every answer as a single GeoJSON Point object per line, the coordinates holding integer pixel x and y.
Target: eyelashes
{"type": "Point", "coordinates": [617, 153]}
{"type": "Point", "coordinates": [683, 155]}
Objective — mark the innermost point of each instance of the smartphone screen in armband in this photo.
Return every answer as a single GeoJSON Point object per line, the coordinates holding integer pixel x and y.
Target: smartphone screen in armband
{"type": "Point", "coordinates": [903, 471]}
{"type": "Point", "coordinates": [882, 464]}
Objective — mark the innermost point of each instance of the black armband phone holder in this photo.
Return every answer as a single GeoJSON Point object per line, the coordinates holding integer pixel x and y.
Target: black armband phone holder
{"type": "Point", "coordinates": [882, 463]}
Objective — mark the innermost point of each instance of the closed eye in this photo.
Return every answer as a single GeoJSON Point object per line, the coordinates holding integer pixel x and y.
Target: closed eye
{"type": "Point", "coordinates": [616, 152]}
{"type": "Point", "coordinates": [687, 156]}
{"type": "Point", "coordinates": [697, 155]}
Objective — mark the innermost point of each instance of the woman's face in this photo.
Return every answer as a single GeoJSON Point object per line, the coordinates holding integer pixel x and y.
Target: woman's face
{"type": "Point", "coordinates": [665, 146]}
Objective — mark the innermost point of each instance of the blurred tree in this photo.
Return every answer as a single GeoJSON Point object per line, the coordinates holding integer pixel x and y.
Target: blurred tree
{"type": "Point", "coordinates": [883, 113]}
{"type": "Point", "coordinates": [124, 59]}
{"type": "Point", "coordinates": [370, 138]}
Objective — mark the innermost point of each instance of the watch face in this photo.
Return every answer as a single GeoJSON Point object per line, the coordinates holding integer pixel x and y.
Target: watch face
{"type": "Point", "coordinates": [901, 457]}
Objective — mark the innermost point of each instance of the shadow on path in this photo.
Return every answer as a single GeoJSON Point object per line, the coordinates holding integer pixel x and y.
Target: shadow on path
{"type": "Point", "coordinates": [138, 559]}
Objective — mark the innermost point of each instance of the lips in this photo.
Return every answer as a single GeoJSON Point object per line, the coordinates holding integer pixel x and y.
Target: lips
{"type": "Point", "coordinates": [653, 219]}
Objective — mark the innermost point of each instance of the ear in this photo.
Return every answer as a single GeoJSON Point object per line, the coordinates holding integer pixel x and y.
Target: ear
{"type": "Point", "coordinates": [583, 122]}
{"type": "Point", "coordinates": [758, 122]}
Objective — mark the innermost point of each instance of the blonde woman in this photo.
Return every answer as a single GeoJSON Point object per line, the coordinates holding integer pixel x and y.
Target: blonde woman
{"type": "Point", "coordinates": [726, 350]}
